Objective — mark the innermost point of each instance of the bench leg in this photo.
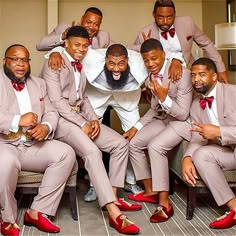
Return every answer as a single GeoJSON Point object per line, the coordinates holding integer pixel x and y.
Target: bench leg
{"type": "Point", "coordinates": [73, 204]}
{"type": "Point", "coordinates": [191, 202]}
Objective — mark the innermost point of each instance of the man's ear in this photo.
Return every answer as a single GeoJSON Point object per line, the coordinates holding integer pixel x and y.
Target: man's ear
{"type": "Point", "coordinates": [215, 77]}
{"type": "Point", "coordinates": [66, 43]}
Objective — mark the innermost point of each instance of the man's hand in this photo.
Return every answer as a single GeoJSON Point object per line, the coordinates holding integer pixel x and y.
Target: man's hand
{"type": "Point", "coordinates": [55, 61]}
{"type": "Point", "coordinates": [130, 133]}
{"type": "Point", "coordinates": [223, 78]}
{"type": "Point", "coordinates": [159, 90]}
{"type": "Point", "coordinates": [39, 132]}
{"type": "Point", "coordinates": [28, 119]}
{"type": "Point", "coordinates": [63, 36]}
{"type": "Point", "coordinates": [148, 36]}
{"type": "Point", "coordinates": [188, 171]}
{"type": "Point", "coordinates": [207, 131]}
{"type": "Point", "coordinates": [87, 129]}
{"type": "Point", "coordinates": [175, 70]}
{"type": "Point", "coordinates": [96, 128]}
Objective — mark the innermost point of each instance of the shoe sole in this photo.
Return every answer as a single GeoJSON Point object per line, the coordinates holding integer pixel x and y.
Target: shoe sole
{"type": "Point", "coordinates": [124, 233]}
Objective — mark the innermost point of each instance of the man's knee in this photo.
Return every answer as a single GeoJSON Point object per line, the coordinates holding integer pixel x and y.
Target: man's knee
{"type": "Point", "coordinates": [201, 157]}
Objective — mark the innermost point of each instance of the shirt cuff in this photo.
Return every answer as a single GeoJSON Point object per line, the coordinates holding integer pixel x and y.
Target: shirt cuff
{"type": "Point", "coordinates": [167, 103]}
{"type": "Point", "coordinates": [49, 127]}
{"type": "Point", "coordinates": [15, 124]}
{"type": "Point", "coordinates": [138, 126]}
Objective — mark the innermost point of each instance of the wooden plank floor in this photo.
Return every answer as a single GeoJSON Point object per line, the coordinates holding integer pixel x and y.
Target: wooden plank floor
{"type": "Point", "coordinates": [93, 221]}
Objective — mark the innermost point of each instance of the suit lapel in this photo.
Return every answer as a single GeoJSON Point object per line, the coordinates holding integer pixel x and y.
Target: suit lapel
{"type": "Point", "coordinates": [219, 103]}
{"type": "Point", "coordinates": [95, 43]}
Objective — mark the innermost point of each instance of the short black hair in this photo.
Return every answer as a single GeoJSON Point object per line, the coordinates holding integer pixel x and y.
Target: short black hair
{"type": "Point", "coordinates": [77, 31]}
{"type": "Point", "coordinates": [14, 45]}
{"type": "Point", "coordinates": [94, 10]}
{"type": "Point", "coordinates": [210, 65]}
{"type": "Point", "coordinates": [163, 3]}
{"type": "Point", "coordinates": [151, 44]}
{"type": "Point", "coordinates": [117, 50]}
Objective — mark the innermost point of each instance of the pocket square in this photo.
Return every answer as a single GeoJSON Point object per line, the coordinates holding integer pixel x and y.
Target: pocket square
{"type": "Point", "coordinates": [41, 99]}
{"type": "Point", "coordinates": [189, 37]}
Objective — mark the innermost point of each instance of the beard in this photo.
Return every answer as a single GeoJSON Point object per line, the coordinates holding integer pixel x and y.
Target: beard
{"type": "Point", "coordinates": [13, 78]}
{"type": "Point", "coordinates": [203, 90]}
{"type": "Point", "coordinates": [117, 84]}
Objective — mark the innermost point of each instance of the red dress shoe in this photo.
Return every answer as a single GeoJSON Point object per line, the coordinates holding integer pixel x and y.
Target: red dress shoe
{"type": "Point", "coordinates": [42, 223]}
{"type": "Point", "coordinates": [141, 198]}
{"type": "Point", "coordinates": [162, 214]}
{"type": "Point", "coordinates": [225, 221]}
{"type": "Point", "coordinates": [126, 206]}
{"type": "Point", "coordinates": [10, 229]}
{"type": "Point", "coordinates": [123, 225]}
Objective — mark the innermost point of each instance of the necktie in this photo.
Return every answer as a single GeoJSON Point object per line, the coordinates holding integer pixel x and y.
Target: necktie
{"type": "Point", "coordinates": [90, 41]}
{"type": "Point", "coordinates": [77, 65]}
{"type": "Point", "coordinates": [18, 86]}
{"type": "Point", "coordinates": [205, 100]}
{"type": "Point", "coordinates": [170, 31]}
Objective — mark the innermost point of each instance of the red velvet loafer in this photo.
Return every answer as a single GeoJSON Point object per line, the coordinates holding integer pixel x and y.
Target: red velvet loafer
{"type": "Point", "coordinates": [141, 198]}
{"type": "Point", "coordinates": [10, 229]}
{"type": "Point", "coordinates": [42, 223]}
{"type": "Point", "coordinates": [162, 214]}
{"type": "Point", "coordinates": [225, 221]}
{"type": "Point", "coordinates": [123, 225]}
{"type": "Point", "coordinates": [126, 206]}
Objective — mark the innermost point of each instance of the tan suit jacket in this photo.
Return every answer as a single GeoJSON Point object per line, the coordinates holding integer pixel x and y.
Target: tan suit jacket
{"type": "Point", "coordinates": [187, 33]}
{"type": "Point", "coordinates": [211, 157]}
{"type": "Point", "coordinates": [9, 106]}
{"type": "Point", "coordinates": [52, 40]}
{"type": "Point", "coordinates": [181, 94]}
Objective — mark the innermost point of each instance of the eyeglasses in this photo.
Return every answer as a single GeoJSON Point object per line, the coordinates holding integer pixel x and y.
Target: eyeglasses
{"type": "Point", "coordinates": [18, 59]}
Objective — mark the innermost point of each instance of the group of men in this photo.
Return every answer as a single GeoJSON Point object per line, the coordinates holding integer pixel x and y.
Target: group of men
{"type": "Point", "coordinates": [58, 112]}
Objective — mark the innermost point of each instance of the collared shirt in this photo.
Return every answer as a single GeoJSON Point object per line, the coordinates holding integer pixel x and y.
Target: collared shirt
{"type": "Point", "coordinates": [212, 112]}
{"type": "Point", "coordinates": [76, 74]}
{"type": "Point", "coordinates": [172, 47]}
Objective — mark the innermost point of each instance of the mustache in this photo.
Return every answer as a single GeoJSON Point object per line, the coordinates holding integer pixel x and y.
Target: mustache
{"type": "Point", "coordinates": [13, 78]}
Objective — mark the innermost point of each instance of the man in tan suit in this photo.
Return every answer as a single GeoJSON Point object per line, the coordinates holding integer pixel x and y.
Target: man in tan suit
{"type": "Point", "coordinates": [79, 127]}
{"type": "Point", "coordinates": [91, 21]}
{"type": "Point", "coordinates": [159, 130]}
{"type": "Point", "coordinates": [213, 142]}
{"type": "Point", "coordinates": [177, 34]}
{"type": "Point", "coordinates": [27, 125]}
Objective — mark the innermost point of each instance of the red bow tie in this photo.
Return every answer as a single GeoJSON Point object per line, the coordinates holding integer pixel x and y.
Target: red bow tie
{"type": "Point", "coordinates": [77, 65]}
{"type": "Point", "coordinates": [170, 31]}
{"type": "Point", "coordinates": [18, 86]}
{"type": "Point", "coordinates": [205, 100]}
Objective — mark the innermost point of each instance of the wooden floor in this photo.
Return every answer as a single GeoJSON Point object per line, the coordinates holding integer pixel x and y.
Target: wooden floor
{"type": "Point", "coordinates": [93, 221]}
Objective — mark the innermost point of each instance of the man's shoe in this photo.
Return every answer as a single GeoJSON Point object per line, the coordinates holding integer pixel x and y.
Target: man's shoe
{"type": "Point", "coordinates": [123, 225]}
{"type": "Point", "coordinates": [225, 221]}
{"type": "Point", "coordinates": [42, 223]}
{"type": "Point", "coordinates": [133, 188]}
{"type": "Point", "coordinates": [126, 206]}
{"type": "Point", "coordinates": [10, 229]}
{"type": "Point", "coordinates": [162, 214]}
{"type": "Point", "coordinates": [141, 198]}
{"type": "Point", "coordinates": [91, 195]}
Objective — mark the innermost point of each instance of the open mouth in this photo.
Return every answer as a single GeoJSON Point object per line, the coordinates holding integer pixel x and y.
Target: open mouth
{"type": "Point", "coordinates": [116, 75]}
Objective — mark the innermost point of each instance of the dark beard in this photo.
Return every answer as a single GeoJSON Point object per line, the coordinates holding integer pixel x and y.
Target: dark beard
{"type": "Point", "coordinates": [13, 78]}
{"type": "Point", "coordinates": [117, 84]}
{"type": "Point", "coordinates": [202, 90]}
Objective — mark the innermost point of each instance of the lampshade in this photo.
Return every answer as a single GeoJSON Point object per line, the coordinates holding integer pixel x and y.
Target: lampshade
{"type": "Point", "coordinates": [225, 36]}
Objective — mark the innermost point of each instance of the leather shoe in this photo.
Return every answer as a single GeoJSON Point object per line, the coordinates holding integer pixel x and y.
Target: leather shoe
{"type": "Point", "coordinates": [141, 198]}
{"type": "Point", "coordinates": [123, 225]}
{"type": "Point", "coordinates": [10, 229]}
{"type": "Point", "coordinates": [225, 221]}
{"type": "Point", "coordinates": [126, 206]}
{"type": "Point", "coordinates": [42, 223]}
{"type": "Point", "coordinates": [162, 214]}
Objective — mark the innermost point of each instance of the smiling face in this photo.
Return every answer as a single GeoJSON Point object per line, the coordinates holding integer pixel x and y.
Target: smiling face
{"type": "Point", "coordinates": [16, 62]}
{"type": "Point", "coordinates": [154, 60]}
{"type": "Point", "coordinates": [203, 80]}
{"type": "Point", "coordinates": [91, 22]}
{"type": "Point", "coordinates": [77, 47]}
{"type": "Point", "coordinates": [164, 17]}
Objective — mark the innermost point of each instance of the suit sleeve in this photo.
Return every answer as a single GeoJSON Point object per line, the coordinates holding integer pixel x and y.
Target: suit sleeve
{"type": "Point", "coordinates": [208, 47]}
{"type": "Point", "coordinates": [55, 94]}
{"type": "Point", "coordinates": [52, 40]}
